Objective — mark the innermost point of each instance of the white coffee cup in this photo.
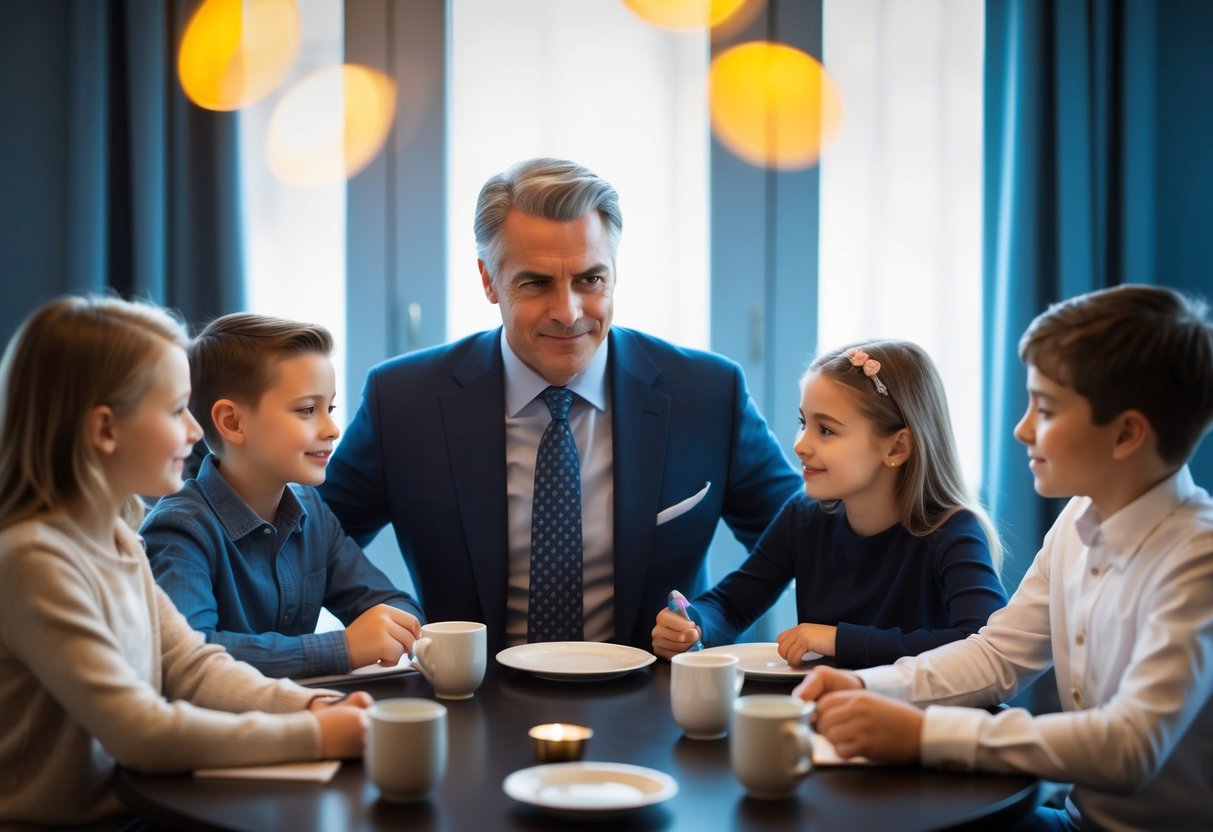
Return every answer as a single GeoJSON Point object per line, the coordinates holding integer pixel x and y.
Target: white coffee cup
{"type": "Point", "coordinates": [451, 655]}
{"type": "Point", "coordinates": [406, 747]}
{"type": "Point", "coordinates": [703, 687]}
{"type": "Point", "coordinates": [771, 747]}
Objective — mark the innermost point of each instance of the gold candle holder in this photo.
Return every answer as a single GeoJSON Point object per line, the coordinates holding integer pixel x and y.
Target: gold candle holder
{"type": "Point", "coordinates": [559, 742]}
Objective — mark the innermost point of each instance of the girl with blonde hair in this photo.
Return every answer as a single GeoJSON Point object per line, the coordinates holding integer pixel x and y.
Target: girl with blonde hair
{"type": "Point", "coordinates": [96, 665]}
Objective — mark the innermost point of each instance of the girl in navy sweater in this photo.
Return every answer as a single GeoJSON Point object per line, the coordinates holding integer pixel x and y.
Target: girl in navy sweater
{"type": "Point", "coordinates": [889, 554]}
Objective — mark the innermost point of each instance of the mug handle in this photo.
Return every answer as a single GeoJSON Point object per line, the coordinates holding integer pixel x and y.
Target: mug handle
{"type": "Point", "coordinates": [420, 646]}
{"type": "Point", "coordinates": [799, 734]}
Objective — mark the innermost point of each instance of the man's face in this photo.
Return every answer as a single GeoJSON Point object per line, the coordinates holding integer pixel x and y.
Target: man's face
{"type": "Point", "coordinates": [555, 287]}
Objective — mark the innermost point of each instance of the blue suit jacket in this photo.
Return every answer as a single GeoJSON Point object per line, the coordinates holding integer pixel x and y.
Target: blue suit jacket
{"type": "Point", "coordinates": [426, 452]}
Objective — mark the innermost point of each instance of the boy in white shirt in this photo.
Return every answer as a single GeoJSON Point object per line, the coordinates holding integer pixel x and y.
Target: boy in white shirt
{"type": "Point", "coordinates": [1119, 600]}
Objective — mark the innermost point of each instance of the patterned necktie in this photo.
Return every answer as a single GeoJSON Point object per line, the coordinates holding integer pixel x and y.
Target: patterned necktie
{"type": "Point", "coordinates": [554, 602]}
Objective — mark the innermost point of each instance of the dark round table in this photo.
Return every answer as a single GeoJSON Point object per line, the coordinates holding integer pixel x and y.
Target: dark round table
{"type": "Point", "coordinates": [632, 723]}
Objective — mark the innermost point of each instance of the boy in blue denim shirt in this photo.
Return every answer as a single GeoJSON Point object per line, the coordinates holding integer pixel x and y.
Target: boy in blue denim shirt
{"type": "Point", "coordinates": [247, 550]}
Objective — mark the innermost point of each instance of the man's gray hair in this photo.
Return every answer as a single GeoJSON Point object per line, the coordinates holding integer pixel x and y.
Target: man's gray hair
{"type": "Point", "coordinates": [554, 189]}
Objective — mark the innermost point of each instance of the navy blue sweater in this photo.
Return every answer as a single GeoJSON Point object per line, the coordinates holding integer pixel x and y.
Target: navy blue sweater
{"type": "Point", "coordinates": [890, 595]}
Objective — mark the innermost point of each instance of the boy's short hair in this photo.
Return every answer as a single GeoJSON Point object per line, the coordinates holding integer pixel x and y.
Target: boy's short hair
{"type": "Point", "coordinates": [235, 356]}
{"type": "Point", "coordinates": [1131, 347]}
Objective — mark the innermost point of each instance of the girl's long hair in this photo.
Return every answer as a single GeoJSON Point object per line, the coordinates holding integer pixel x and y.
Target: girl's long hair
{"type": "Point", "coordinates": [68, 357]}
{"type": "Point", "coordinates": [930, 487]}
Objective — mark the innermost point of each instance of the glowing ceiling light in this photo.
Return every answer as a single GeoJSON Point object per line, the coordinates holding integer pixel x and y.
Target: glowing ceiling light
{"type": "Point", "coordinates": [684, 14]}
{"type": "Point", "coordinates": [773, 105]}
{"type": "Point", "coordinates": [688, 13]}
{"type": "Point", "coordinates": [235, 51]}
{"type": "Point", "coordinates": [330, 125]}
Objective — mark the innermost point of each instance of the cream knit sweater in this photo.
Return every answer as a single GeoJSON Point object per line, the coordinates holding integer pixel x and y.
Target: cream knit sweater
{"type": "Point", "coordinates": [97, 667]}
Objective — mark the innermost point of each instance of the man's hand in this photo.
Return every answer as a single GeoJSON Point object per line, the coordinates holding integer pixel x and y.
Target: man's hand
{"type": "Point", "coordinates": [794, 642]}
{"type": "Point", "coordinates": [381, 635]}
{"type": "Point", "coordinates": [862, 723]}
{"type": "Point", "coordinates": [673, 634]}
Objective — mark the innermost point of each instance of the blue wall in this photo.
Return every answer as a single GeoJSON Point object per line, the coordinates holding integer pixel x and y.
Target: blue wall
{"type": "Point", "coordinates": [33, 157]}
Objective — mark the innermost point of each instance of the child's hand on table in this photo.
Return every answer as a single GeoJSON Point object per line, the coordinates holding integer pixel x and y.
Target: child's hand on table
{"type": "Point", "coordinates": [342, 726]}
{"type": "Point", "coordinates": [794, 642]}
{"type": "Point", "coordinates": [382, 635]}
{"type": "Point", "coordinates": [859, 722]}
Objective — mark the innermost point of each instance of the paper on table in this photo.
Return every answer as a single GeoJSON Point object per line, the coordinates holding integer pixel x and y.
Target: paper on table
{"type": "Point", "coordinates": [317, 772]}
{"type": "Point", "coordinates": [370, 670]}
{"type": "Point", "coordinates": [825, 755]}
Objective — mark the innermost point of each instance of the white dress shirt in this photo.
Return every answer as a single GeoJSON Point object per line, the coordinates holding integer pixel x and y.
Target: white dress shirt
{"type": "Point", "coordinates": [1123, 609]}
{"type": "Point", "coordinates": [526, 418]}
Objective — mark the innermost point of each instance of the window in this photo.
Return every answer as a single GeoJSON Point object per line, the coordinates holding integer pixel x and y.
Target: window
{"type": "Point", "coordinates": [590, 82]}
{"type": "Point", "coordinates": [294, 236]}
{"type": "Point", "coordinates": [901, 190]}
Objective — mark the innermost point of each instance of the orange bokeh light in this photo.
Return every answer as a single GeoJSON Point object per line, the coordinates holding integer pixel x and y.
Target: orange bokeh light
{"type": "Point", "coordinates": [330, 125]}
{"type": "Point", "coordinates": [684, 14]}
{"type": "Point", "coordinates": [773, 105]}
{"type": "Point", "coordinates": [236, 51]}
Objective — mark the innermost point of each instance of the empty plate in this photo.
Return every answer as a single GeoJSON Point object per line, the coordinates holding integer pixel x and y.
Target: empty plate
{"type": "Point", "coordinates": [761, 660]}
{"type": "Point", "coordinates": [575, 661]}
{"type": "Point", "coordinates": [583, 791]}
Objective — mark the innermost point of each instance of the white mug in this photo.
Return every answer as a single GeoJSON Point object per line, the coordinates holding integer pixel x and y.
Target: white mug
{"type": "Point", "coordinates": [703, 687]}
{"type": "Point", "coordinates": [406, 747]}
{"type": "Point", "coordinates": [451, 655]}
{"type": "Point", "coordinates": [771, 747]}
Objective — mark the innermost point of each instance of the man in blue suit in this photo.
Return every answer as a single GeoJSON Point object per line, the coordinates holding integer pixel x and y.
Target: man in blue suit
{"type": "Point", "coordinates": [445, 442]}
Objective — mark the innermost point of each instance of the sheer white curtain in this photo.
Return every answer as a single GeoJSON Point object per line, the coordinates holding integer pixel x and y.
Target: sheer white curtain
{"type": "Point", "coordinates": [586, 81]}
{"type": "Point", "coordinates": [901, 190]}
{"type": "Point", "coordinates": [295, 237]}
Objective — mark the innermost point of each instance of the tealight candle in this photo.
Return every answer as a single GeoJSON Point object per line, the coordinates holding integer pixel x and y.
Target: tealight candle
{"type": "Point", "coordinates": [558, 742]}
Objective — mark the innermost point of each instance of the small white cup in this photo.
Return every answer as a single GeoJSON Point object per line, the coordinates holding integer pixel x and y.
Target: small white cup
{"type": "Point", "coordinates": [406, 748]}
{"type": "Point", "coordinates": [452, 656]}
{"type": "Point", "coordinates": [771, 747]}
{"type": "Point", "coordinates": [703, 687]}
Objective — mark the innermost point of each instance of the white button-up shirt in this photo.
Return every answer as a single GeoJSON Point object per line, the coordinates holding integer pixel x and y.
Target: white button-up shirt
{"type": "Point", "coordinates": [1123, 609]}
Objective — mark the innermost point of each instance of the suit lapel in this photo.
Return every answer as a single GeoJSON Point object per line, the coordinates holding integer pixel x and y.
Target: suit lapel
{"type": "Point", "coordinates": [640, 419]}
{"type": "Point", "coordinates": [475, 435]}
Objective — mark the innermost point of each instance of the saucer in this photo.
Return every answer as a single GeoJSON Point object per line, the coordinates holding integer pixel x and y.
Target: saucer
{"type": "Point", "coordinates": [575, 661]}
{"type": "Point", "coordinates": [761, 660]}
{"type": "Point", "coordinates": [589, 791]}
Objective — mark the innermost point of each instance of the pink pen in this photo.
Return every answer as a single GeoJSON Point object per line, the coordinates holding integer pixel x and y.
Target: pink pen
{"type": "Point", "coordinates": [678, 603]}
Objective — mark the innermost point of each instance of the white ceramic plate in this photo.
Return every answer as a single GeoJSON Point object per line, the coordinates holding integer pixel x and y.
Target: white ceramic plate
{"type": "Point", "coordinates": [761, 660]}
{"type": "Point", "coordinates": [589, 791]}
{"type": "Point", "coordinates": [575, 661]}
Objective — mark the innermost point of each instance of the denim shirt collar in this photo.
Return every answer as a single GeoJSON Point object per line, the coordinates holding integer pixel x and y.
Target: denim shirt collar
{"type": "Point", "coordinates": [234, 513]}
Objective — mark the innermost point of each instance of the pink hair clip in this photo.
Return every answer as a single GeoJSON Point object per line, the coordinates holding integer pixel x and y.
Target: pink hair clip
{"type": "Point", "coordinates": [870, 366]}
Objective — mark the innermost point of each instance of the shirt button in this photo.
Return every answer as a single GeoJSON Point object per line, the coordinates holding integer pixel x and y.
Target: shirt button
{"type": "Point", "coordinates": [1078, 639]}
{"type": "Point", "coordinates": [1077, 697]}
{"type": "Point", "coordinates": [1094, 569]}
{"type": "Point", "coordinates": [266, 530]}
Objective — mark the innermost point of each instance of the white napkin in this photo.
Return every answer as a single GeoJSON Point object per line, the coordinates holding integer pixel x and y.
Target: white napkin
{"type": "Point", "coordinates": [824, 754]}
{"type": "Point", "coordinates": [370, 670]}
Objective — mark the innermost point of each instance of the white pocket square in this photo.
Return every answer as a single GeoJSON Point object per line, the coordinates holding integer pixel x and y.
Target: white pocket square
{"type": "Point", "coordinates": [679, 509]}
